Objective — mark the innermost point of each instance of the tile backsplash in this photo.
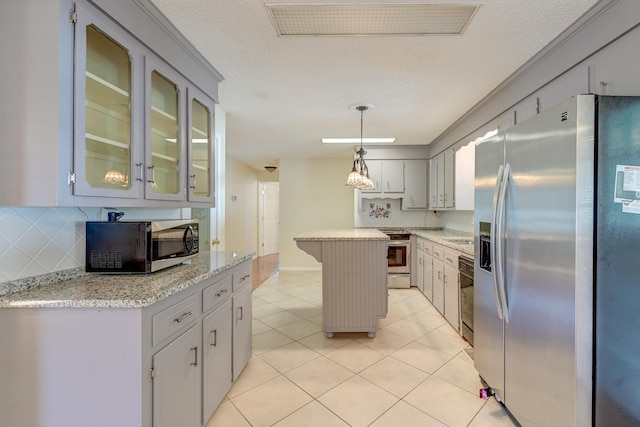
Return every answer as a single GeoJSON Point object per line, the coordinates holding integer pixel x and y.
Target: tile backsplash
{"type": "Point", "coordinates": [380, 213]}
{"type": "Point", "coordinates": [36, 241]}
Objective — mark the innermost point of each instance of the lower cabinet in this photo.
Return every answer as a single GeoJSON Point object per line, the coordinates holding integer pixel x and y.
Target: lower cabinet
{"type": "Point", "coordinates": [241, 330]}
{"type": "Point", "coordinates": [216, 358]}
{"type": "Point", "coordinates": [442, 283]}
{"type": "Point", "coordinates": [438, 278]}
{"type": "Point", "coordinates": [451, 289]}
{"type": "Point", "coordinates": [427, 262]}
{"type": "Point", "coordinates": [167, 364]}
{"type": "Point", "coordinates": [176, 382]}
{"type": "Point", "coordinates": [420, 260]}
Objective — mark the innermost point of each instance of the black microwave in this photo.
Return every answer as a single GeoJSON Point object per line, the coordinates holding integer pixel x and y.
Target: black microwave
{"type": "Point", "coordinates": [139, 246]}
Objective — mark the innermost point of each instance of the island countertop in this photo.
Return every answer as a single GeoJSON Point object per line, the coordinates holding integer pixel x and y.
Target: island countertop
{"type": "Point", "coordinates": [341, 234]}
{"type": "Point", "coordinates": [91, 290]}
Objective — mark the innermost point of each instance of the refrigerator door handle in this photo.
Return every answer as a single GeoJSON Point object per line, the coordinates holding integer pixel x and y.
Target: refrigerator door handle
{"type": "Point", "coordinates": [494, 218]}
{"type": "Point", "coordinates": [500, 268]}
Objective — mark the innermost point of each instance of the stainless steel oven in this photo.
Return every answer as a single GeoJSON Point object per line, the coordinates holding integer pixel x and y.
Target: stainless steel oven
{"type": "Point", "coordinates": [399, 259]}
{"type": "Point", "coordinates": [465, 266]}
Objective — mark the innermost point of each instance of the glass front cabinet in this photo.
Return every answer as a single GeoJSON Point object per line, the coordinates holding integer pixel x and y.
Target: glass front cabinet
{"type": "Point", "coordinates": [142, 131]}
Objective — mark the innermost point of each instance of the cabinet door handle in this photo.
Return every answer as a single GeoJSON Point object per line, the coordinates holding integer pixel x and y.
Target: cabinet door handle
{"type": "Point", "coordinates": [444, 279]}
{"type": "Point", "coordinates": [246, 276]}
{"type": "Point", "coordinates": [241, 313]}
{"type": "Point", "coordinates": [439, 274]}
{"type": "Point", "coordinates": [181, 318]}
{"type": "Point", "coordinates": [193, 185]}
{"type": "Point", "coordinates": [215, 338]}
{"type": "Point", "coordinates": [224, 291]}
{"type": "Point", "coordinates": [195, 359]}
{"type": "Point", "coordinates": [152, 169]}
{"type": "Point", "coordinates": [139, 167]}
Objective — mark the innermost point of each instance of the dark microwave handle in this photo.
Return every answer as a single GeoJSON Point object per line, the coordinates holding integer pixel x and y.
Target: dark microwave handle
{"type": "Point", "coordinates": [189, 239]}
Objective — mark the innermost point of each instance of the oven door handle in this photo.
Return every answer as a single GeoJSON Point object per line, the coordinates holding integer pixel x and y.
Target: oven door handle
{"type": "Point", "coordinates": [398, 243]}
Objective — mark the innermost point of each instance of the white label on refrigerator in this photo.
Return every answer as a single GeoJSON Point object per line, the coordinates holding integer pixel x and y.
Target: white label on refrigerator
{"type": "Point", "coordinates": [627, 187]}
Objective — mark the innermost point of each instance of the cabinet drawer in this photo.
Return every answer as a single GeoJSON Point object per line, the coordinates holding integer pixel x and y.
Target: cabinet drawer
{"type": "Point", "coordinates": [175, 318]}
{"type": "Point", "coordinates": [216, 294]}
{"type": "Point", "coordinates": [428, 248]}
{"type": "Point", "coordinates": [438, 252]}
{"type": "Point", "coordinates": [242, 277]}
{"type": "Point", "coordinates": [451, 258]}
{"type": "Point", "coordinates": [420, 244]}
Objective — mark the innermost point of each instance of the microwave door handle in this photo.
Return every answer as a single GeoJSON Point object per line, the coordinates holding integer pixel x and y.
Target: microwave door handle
{"type": "Point", "coordinates": [500, 239]}
{"type": "Point", "coordinates": [188, 239]}
{"type": "Point", "coordinates": [492, 252]}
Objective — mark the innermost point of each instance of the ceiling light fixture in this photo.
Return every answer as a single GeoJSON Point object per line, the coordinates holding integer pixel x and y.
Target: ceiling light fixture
{"type": "Point", "coordinates": [356, 140]}
{"type": "Point", "coordinates": [271, 168]}
{"type": "Point", "coordinates": [359, 176]}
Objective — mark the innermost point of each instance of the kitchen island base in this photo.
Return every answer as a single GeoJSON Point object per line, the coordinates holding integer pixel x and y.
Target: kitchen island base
{"type": "Point", "coordinates": [354, 279]}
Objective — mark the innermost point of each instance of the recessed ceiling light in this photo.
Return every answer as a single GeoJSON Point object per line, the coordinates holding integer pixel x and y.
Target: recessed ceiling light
{"type": "Point", "coordinates": [357, 140]}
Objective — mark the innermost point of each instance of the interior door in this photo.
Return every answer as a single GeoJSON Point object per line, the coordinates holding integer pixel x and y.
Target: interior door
{"type": "Point", "coordinates": [270, 218]}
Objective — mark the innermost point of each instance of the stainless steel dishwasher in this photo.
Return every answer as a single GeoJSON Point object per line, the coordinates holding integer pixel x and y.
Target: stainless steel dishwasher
{"type": "Point", "coordinates": [465, 266]}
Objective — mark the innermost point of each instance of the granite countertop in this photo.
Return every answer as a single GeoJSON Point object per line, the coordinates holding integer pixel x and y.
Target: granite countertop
{"type": "Point", "coordinates": [448, 238]}
{"type": "Point", "coordinates": [342, 234]}
{"type": "Point", "coordinates": [93, 290]}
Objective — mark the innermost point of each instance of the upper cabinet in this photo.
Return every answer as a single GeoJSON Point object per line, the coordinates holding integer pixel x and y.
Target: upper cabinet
{"type": "Point", "coordinates": [107, 158]}
{"type": "Point", "coordinates": [399, 179]}
{"type": "Point", "coordinates": [415, 184]}
{"type": "Point", "coordinates": [465, 167]}
{"type": "Point", "coordinates": [114, 123]}
{"type": "Point", "coordinates": [451, 179]}
{"type": "Point", "coordinates": [442, 180]}
{"type": "Point", "coordinates": [387, 177]}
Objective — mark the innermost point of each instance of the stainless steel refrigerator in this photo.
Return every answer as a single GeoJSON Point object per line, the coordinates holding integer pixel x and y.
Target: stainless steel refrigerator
{"type": "Point", "coordinates": [557, 268]}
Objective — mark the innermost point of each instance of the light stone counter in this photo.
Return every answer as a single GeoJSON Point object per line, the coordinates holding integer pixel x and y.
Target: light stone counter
{"type": "Point", "coordinates": [447, 238]}
{"type": "Point", "coordinates": [92, 290]}
{"type": "Point", "coordinates": [342, 234]}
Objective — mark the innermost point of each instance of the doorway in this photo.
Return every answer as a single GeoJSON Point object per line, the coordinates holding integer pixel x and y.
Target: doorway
{"type": "Point", "coordinates": [269, 218]}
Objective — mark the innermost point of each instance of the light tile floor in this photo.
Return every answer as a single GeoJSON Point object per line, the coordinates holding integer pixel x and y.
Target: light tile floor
{"type": "Point", "coordinates": [413, 373]}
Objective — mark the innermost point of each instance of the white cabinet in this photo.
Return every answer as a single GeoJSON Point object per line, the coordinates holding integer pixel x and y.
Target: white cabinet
{"type": "Point", "coordinates": [92, 142]}
{"type": "Point", "coordinates": [428, 270]}
{"type": "Point", "coordinates": [176, 392]}
{"type": "Point", "coordinates": [433, 183]}
{"type": "Point", "coordinates": [465, 168]}
{"type": "Point", "coordinates": [415, 175]}
{"type": "Point", "coordinates": [216, 358]}
{"type": "Point", "coordinates": [179, 148]}
{"type": "Point", "coordinates": [451, 289]}
{"type": "Point", "coordinates": [445, 283]}
{"type": "Point", "coordinates": [442, 181]}
{"type": "Point", "coordinates": [108, 153]}
{"type": "Point", "coordinates": [420, 259]}
{"type": "Point", "coordinates": [241, 328]}
{"type": "Point", "coordinates": [387, 176]}
{"type": "Point", "coordinates": [438, 278]}
{"type": "Point", "coordinates": [163, 365]}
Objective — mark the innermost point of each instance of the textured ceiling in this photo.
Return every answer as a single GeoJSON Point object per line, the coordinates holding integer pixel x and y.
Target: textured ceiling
{"type": "Point", "coordinates": [283, 93]}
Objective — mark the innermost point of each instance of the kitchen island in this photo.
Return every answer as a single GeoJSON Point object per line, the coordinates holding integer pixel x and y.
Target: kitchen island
{"type": "Point", "coordinates": [354, 277]}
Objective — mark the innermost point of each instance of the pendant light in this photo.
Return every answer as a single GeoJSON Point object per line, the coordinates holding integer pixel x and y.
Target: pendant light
{"type": "Point", "coordinates": [359, 176]}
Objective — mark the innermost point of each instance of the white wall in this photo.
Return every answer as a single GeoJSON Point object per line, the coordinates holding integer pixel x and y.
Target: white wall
{"type": "Point", "coordinates": [241, 211]}
{"type": "Point", "coordinates": [313, 196]}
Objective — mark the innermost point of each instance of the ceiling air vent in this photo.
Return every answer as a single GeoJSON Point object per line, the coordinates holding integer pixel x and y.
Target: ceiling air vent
{"type": "Point", "coordinates": [370, 19]}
